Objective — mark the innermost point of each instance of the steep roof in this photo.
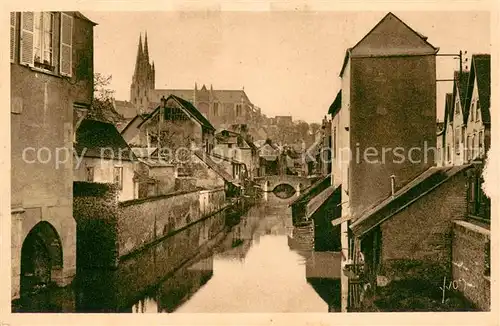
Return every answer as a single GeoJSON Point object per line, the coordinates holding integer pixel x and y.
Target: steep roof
{"type": "Point", "coordinates": [194, 111]}
{"type": "Point", "coordinates": [125, 108]}
{"type": "Point", "coordinates": [83, 17]}
{"type": "Point", "coordinates": [318, 200]}
{"type": "Point", "coordinates": [313, 190]}
{"type": "Point", "coordinates": [336, 105]}
{"type": "Point", "coordinates": [480, 71]}
{"type": "Point", "coordinates": [393, 37]}
{"type": "Point", "coordinates": [448, 105]}
{"type": "Point", "coordinates": [101, 140]}
{"type": "Point", "coordinates": [191, 110]}
{"type": "Point", "coordinates": [408, 194]}
{"type": "Point", "coordinates": [214, 166]}
{"type": "Point", "coordinates": [143, 152]}
{"type": "Point", "coordinates": [460, 90]}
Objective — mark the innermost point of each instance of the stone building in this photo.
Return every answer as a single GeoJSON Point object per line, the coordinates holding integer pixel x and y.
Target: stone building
{"type": "Point", "coordinates": [175, 126]}
{"type": "Point", "coordinates": [387, 101]}
{"type": "Point", "coordinates": [51, 82]}
{"type": "Point", "coordinates": [221, 107]}
{"type": "Point", "coordinates": [455, 121]}
{"type": "Point", "coordinates": [103, 156]}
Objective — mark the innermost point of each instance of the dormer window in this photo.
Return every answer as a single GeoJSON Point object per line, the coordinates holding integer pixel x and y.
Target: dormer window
{"type": "Point", "coordinates": [472, 111]}
{"type": "Point", "coordinates": [457, 109]}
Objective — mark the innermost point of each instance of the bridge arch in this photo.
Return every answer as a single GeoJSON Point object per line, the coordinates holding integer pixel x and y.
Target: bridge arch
{"type": "Point", "coordinates": [41, 257]}
{"type": "Point", "coordinates": [269, 183]}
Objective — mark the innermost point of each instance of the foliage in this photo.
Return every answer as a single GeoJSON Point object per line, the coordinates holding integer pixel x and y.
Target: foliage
{"type": "Point", "coordinates": [102, 104]}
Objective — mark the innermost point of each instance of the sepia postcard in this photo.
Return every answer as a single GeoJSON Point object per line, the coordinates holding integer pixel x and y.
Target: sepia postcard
{"type": "Point", "coordinates": [295, 163]}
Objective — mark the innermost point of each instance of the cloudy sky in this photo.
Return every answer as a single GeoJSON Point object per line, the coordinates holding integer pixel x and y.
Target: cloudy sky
{"type": "Point", "coordinates": [287, 61]}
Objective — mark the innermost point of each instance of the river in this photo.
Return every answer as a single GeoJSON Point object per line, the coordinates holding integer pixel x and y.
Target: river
{"type": "Point", "coordinates": [253, 267]}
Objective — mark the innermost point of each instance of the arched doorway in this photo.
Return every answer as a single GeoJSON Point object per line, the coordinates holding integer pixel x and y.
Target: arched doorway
{"type": "Point", "coordinates": [41, 257]}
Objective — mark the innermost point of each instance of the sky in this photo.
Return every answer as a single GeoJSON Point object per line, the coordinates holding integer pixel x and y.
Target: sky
{"type": "Point", "coordinates": [287, 61]}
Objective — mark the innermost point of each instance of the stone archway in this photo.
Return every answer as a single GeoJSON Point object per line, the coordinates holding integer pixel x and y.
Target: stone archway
{"type": "Point", "coordinates": [41, 257]}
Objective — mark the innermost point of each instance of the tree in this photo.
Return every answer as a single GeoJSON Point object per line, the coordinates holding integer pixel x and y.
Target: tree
{"type": "Point", "coordinates": [102, 104]}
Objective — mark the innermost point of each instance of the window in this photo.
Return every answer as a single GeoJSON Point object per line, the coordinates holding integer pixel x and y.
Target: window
{"type": "Point", "coordinates": [43, 40]}
{"type": "Point", "coordinates": [457, 139]}
{"type": "Point", "coordinates": [477, 111]}
{"type": "Point", "coordinates": [37, 41]}
{"type": "Point", "coordinates": [464, 131]}
{"type": "Point", "coordinates": [334, 143]}
{"type": "Point", "coordinates": [89, 174]}
{"type": "Point", "coordinates": [216, 109]}
{"type": "Point", "coordinates": [481, 142]}
{"type": "Point", "coordinates": [174, 114]}
{"type": "Point", "coordinates": [457, 108]}
{"type": "Point", "coordinates": [66, 58]}
{"type": "Point", "coordinates": [118, 176]}
{"type": "Point", "coordinates": [472, 111]}
{"type": "Point", "coordinates": [448, 153]}
{"type": "Point", "coordinates": [238, 109]}
{"type": "Point", "coordinates": [474, 146]}
{"type": "Point", "coordinates": [468, 153]}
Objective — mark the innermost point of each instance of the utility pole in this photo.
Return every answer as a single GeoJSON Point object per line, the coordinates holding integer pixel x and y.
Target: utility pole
{"type": "Point", "coordinates": [458, 56]}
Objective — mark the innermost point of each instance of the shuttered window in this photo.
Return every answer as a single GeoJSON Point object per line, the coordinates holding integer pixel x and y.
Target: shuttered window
{"type": "Point", "coordinates": [27, 39]}
{"type": "Point", "coordinates": [66, 45]}
{"type": "Point", "coordinates": [12, 36]}
{"type": "Point", "coordinates": [43, 40]}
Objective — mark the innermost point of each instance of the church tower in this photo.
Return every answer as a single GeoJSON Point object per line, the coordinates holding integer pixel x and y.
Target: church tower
{"type": "Point", "coordinates": [143, 81]}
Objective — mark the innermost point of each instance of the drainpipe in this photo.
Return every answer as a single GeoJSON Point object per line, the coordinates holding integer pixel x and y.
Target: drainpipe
{"type": "Point", "coordinates": [393, 184]}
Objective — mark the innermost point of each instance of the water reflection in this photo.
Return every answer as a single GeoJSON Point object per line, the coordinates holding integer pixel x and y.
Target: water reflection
{"type": "Point", "coordinates": [251, 268]}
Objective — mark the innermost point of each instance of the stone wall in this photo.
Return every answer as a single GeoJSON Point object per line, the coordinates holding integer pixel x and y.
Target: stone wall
{"type": "Point", "coordinates": [110, 231]}
{"type": "Point", "coordinates": [471, 262]}
{"type": "Point", "coordinates": [143, 221]}
{"type": "Point", "coordinates": [417, 241]}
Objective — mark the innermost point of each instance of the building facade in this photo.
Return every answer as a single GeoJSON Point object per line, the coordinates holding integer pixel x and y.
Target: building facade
{"type": "Point", "coordinates": [51, 55]}
{"type": "Point", "coordinates": [221, 107]}
{"type": "Point", "coordinates": [385, 108]}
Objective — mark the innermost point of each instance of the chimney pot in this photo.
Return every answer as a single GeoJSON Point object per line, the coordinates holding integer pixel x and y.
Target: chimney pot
{"type": "Point", "coordinates": [393, 184]}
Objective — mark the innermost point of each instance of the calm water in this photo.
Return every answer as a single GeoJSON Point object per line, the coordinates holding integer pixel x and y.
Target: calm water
{"type": "Point", "coordinates": [251, 268]}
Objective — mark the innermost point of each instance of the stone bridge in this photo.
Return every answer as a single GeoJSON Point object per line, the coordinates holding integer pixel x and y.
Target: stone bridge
{"type": "Point", "coordinates": [270, 182]}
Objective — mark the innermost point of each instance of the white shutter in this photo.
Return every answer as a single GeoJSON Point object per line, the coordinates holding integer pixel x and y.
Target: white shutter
{"type": "Point", "coordinates": [12, 36]}
{"type": "Point", "coordinates": [27, 39]}
{"type": "Point", "coordinates": [66, 56]}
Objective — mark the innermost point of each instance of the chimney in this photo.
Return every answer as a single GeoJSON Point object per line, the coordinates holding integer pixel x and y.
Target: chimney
{"type": "Point", "coordinates": [393, 184]}
{"type": "Point", "coordinates": [163, 101]}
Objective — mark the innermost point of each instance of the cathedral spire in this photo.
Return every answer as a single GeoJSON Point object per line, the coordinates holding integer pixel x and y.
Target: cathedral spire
{"type": "Point", "coordinates": [146, 50]}
{"type": "Point", "coordinates": [139, 56]}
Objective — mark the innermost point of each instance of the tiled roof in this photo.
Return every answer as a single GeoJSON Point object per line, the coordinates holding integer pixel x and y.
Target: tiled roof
{"type": "Point", "coordinates": [405, 196]}
{"type": "Point", "coordinates": [481, 71]}
{"type": "Point", "coordinates": [460, 85]}
{"type": "Point", "coordinates": [190, 108]}
{"type": "Point", "coordinates": [142, 152]}
{"type": "Point", "coordinates": [389, 15]}
{"type": "Point", "coordinates": [154, 162]}
{"type": "Point", "coordinates": [214, 166]}
{"type": "Point", "coordinates": [317, 187]}
{"type": "Point", "coordinates": [83, 17]}
{"type": "Point", "coordinates": [318, 200]}
{"type": "Point", "coordinates": [102, 140]}
{"type": "Point", "coordinates": [125, 108]}
{"type": "Point", "coordinates": [194, 111]}
{"type": "Point", "coordinates": [448, 106]}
